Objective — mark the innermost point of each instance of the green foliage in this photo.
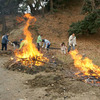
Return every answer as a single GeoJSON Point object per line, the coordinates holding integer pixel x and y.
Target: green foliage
{"type": "Point", "coordinates": [89, 25]}
{"type": "Point", "coordinates": [87, 7]}
{"type": "Point", "coordinates": [97, 2]}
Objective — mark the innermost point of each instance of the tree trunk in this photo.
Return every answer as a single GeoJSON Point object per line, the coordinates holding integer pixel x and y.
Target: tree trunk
{"type": "Point", "coordinates": [42, 11]}
{"type": "Point", "coordinates": [32, 9]}
{"type": "Point", "coordinates": [51, 6]}
{"type": "Point", "coordinates": [93, 4]}
{"type": "Point", "coordinates": [84, 2]}
{"type": "Point", "coordinates": [4, 27]}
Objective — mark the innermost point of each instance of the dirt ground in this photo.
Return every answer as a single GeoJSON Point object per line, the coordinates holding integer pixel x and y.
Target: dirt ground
{"type": "Point", "coordinates": [51, 81]}
{"type": "Point", "coordinates": [54, 83]}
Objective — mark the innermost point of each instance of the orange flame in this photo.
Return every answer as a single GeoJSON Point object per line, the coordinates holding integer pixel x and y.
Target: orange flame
{"type": "Point", "coordinates": [29, 50]}
{"type": "Point", "coordinates": [19, 19]}
{"type": "Point", "coordinates": [85, 65]}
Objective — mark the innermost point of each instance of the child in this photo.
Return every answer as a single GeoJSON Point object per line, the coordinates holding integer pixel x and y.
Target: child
{"type": "Point", "coordinates": [63, 48]}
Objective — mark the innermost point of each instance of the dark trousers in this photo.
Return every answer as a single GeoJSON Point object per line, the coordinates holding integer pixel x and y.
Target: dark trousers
{"type": "Point", "coordinates": [4, 46]}
{"type": "Point", "coordinates": [48, 47]}
{"type": "Point", "coordinates": [38, 46]}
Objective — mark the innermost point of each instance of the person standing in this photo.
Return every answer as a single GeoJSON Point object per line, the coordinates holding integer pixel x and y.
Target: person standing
{"type": "Point", "coordinates": [63, 48]}
{"type": "Point", "coordinates": [39, 40]}
{"type": "Point", "coordinates": [72, 42]}
{"type": "Point", "coordinates": [47, 43]}
{"type": "Point", "coordinates": [5, 41]}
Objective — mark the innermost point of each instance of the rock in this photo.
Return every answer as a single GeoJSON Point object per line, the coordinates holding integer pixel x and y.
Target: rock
{"type": "Point", "coordinates": [46, 94]}
{"type": "Point", "coordinates": [52, 57]}
{"type": "Point", "coordinates": [26, 82]}
{"type": "Point", "coordinates": [18, 91]}
{"type": "Point", "coordinates": [8, 89]}
{"type": "Point", "coordinates": [65, 97]}
{"type": "Point", "coordinates": [52, 84]}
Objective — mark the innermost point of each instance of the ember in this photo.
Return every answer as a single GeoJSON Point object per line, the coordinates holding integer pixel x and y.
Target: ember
{"type": "Point", "coordinates": [29, 55]}
{"type": "Point", "coordinates": [89, 72]}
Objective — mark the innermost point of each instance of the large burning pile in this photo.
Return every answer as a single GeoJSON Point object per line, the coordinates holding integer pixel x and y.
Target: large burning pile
{"type": "Point", "coordinates": [89, 72]}
{"type": "Point", "coordinates": [29, 55]}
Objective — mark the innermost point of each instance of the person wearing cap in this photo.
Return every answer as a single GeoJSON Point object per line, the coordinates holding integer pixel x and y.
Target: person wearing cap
{"type": "Point", "coordinates": [5, 41]}
{"type": "Point", "coordinates": [72, 42]}
{"type": "Point", "coordinates": [23, 43]}
{"type": "Point", "coordinates": [39, 40]}
{"type": "Point", "coordinates": [47, 43]}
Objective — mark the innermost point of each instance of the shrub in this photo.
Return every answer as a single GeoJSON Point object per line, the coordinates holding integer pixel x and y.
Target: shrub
{"type": "Point", "coordinates": [89, 25]}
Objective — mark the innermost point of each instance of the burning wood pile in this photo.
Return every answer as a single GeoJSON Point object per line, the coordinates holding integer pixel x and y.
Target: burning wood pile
{"type": "Point", "coordinates": [89, 72]}
{"type": "Point", "coordinates": [28, 55]}
{"type": "Point", "coordinates": [31, 68]}
{"type": "Point", "coordinates": [17, 66]}
{"type": "Point", "coordinates": [30, 62]}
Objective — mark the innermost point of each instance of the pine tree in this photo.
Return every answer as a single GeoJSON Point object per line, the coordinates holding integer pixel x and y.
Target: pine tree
{"type": "Point", "coordinates": [89, 6]}
{"type": "Point", "coordinates": [89, 25]}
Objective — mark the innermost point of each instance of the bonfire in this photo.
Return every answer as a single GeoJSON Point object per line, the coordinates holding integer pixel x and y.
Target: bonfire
{"type": "Point", "coordinates": [29, 55]}
{"type": "Point", "coordinates": [88, 71]}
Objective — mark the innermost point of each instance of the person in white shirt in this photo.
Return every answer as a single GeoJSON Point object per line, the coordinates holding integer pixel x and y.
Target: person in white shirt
{"type": "Point", "coordinates": [72, 42]}
{"type": "Point", "coordinates": [47, 43]}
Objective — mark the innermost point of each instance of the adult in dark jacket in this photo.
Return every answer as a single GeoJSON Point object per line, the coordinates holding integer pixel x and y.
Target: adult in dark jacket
{"type": "Point", "coordinates": [5, 41]}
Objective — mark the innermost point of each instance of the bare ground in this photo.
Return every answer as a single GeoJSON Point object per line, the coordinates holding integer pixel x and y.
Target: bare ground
{"type": "Point", "coordinates": [53, 83]}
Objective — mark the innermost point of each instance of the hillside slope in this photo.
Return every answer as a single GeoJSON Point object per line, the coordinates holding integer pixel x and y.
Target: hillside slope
{"type": "Point", "coordinates": [55, 81]}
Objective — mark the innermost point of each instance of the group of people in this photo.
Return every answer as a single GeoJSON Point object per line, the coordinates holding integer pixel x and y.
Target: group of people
{"type": "Point", "coordinates": [23, 42]}
{"type": "Point", "coordinates": [71, 41]}
{"type": "Point", "coordinates": [46, 43]}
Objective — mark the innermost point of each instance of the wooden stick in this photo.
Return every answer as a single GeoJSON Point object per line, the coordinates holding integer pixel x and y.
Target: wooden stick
{"type": "Point", "coordinates": [12, 64]}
